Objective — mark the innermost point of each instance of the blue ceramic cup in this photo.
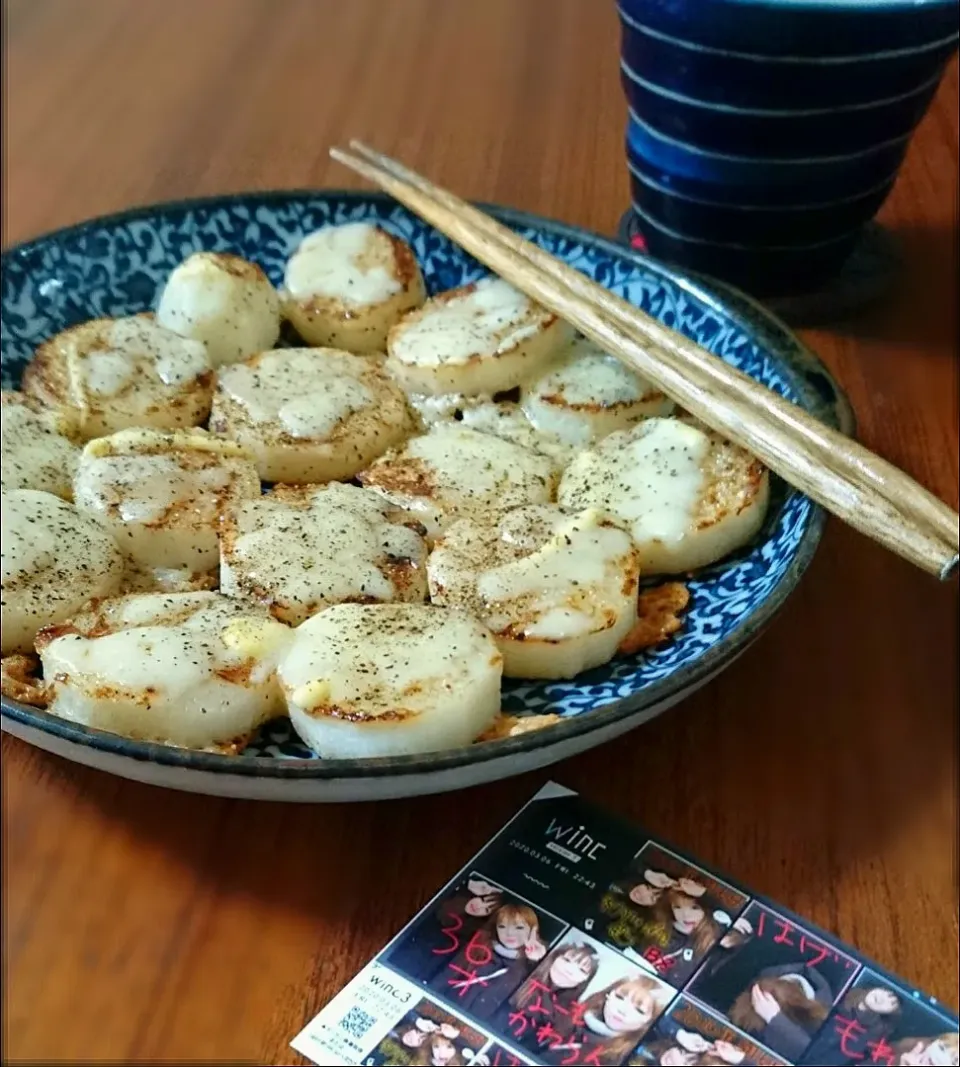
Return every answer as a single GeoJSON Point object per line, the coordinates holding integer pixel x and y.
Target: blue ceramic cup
{"type": "Point", "coordinates": [764, 134]}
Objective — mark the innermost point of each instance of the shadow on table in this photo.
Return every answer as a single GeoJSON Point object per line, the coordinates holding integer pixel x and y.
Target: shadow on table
{"type": "Point", "coordinates": [920, 308]}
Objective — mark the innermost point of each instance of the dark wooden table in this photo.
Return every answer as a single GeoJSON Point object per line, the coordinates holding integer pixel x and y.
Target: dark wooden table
{"type": "Point", "coordinates": [820, 769]}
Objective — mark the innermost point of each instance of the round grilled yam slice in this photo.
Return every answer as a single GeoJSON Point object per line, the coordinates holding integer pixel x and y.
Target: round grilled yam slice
{"type": "Point", "coordinates": [224, 301]}
{"type": "Point", "coordinates": [365, 680]}
{"type": "Point", "coordinates": [36, 454]}
{"type": "Point", "coordinates": [310, 415]}
{"type": "Point", "coordinates": [687, 496]}
{"type": "Point", "coordinates": [113, 374]}
{"type": "Point", "coordinates": [163, 494]}
{"type": "Point", "coordinates": [589, 394]}
{"type": "Point", "coordinates": [559, 593]}
{"type": "Point", "coordinates": [453, 471]}
{"type": "Point", "coordinates": [197, 670]}
{"type": "Point", "coordinates": [54, 560]}
{"type": "Point", "coordinates": [483, 338]}
{"type": "Point", "coordinates": [300, 549]}
{"type": "Point", "coordinates": [346, 286]}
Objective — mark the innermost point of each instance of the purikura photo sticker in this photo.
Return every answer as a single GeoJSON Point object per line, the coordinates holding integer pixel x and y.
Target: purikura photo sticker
{"type": "Point", "coordinates": [573, 938]}
{"type": "Point", "coordinates": [476, 945]}
{"type": "Point", "coordinates": [775, 980]}
{"type": "Point", "coordinates": [667, 913]}
{"type": "Point", "coordinates": [445, 927]}
{"type": "Point", "coordinates": [878, 1022]}
{"type": "Point", "coordinates": [429, 1035]}
{"type": "Point", "coordinates": [688, 1035]}
{"type": "Point", "coordinates": [584, 1004]}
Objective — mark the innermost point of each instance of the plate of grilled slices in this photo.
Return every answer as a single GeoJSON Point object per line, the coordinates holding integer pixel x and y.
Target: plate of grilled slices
{"type": "Point", "coordinates": [300, 502]}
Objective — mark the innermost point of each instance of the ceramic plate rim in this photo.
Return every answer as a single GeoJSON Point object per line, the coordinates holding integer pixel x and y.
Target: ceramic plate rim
{"type": "Point", "coordinates": [479, 752]}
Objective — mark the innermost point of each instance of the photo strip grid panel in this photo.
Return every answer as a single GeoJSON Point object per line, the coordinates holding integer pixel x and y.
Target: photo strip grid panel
{"type": "Point", "coordinates": [573, 937]}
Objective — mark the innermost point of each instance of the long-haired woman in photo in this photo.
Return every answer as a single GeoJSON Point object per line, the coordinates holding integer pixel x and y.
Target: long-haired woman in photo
{"type": "Point", "coordinates": [547, 996]}
{"type": "Point", "coordinates": [784, 1007]}
{"type": "Point", "coordinates": [689, 920]}
{"type": "Point", "coordinates": [497, 960]}
{"type": "Point", "coordinates": [445, 929]}
{"type": "Point", "coordinates": [614, 1021]}
{"type": "Point", "coordinates": [437, 1050]}
{"type": "Point", "coordinates": [876, 1010]}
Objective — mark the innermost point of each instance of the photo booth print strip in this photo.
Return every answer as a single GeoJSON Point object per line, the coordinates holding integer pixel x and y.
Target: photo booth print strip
{"type": "Point", "coordinates": [784, 984]}
{"type": "Point", "coordinates": [880, 1022]}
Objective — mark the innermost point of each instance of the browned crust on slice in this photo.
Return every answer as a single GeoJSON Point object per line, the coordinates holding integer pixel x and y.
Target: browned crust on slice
{"type": "Point", "coordinates": [238, 266]}
{"type": "Point", "coordinates": [408, 270]}
{"type": "Point", "coordinates": [595, 408]}
{"type": "Point", "coordinates": [514, 725]}
{"type": "Point", "coordinates": [21, 680]}
{"type": "Point", "coordinates": [400, 473]}
{"type": "Point", "coordinates": [658, 617]}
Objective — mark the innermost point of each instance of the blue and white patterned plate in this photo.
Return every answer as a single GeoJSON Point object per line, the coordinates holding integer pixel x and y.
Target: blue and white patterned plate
{"type": "Point", "coordinates": [116, 265]}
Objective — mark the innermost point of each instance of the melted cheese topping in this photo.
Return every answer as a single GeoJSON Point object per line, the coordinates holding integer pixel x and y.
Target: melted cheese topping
{"type": "Point", "coordinates": [488, 319]}
{"type": "Point", "coordinates": [191, 669]}
{"type": "Point", "coordinates": [129, 350]}
{"type": "Point", "coordinates": [35, 456]}
{"type": "Point", "coordinates": [503, 419]}
{"type": "Point", "coordinates": [306, 394]}
{"type": "Point", "coordinates": [589, 394]}
{"type": "Point", "coordinates": [145, 488]}
{"type": "Point", "coordinates": [589, 377]}
{"type": "Point", "coordinates": [390, 679]}
{"type": "Point", "coordinates": [172, 643]}
{"type": "Point", "coordinates": [453, 471]}
{"type": "Point", "coordinates": [303, 551]}
{"type": "Point", "coordinates": [447, 407]}
{"type": "Point", "coordinates": [384, 661]}
{"type": "Point", "coordinates": [509, 422]}
{"type": "Point", "coordinates": [164, 495]}
{"type": "Point", "coordinates": [538, 573]}
{"type": "Point", "coordinates": [354, 263]}
{"type": "Point", "coordinates": [650, 477]}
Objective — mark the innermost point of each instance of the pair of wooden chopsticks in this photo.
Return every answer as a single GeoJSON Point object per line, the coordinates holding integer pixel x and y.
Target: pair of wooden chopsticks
{"type": "Point", "coordinates": [864, 490]}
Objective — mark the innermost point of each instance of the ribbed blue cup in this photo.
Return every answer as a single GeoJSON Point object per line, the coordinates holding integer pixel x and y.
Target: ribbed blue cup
{"type": "Point", "coordinates": [764, 134]}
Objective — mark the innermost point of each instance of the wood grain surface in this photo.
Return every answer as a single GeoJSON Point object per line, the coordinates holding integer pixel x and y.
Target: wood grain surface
{"type": "Point", "coordinates": [821, 769]}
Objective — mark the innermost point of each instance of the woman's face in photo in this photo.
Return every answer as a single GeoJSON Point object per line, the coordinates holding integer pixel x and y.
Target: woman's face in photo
{"type": "Point", "coordinates": [569, 970]}
{"type": "Point", "coordinates": [513, 933]}
{"type": "Point", "coordinates": [443, 1050]}
{"type": "Point", "coordinates": [882, 1001]}
{"type": "Point", "coordinates": [481, 907]}
{"type": "Point", "coordinates": [644, 895]}
{"type": "Point", "coordinates": [623, 1015]}
{"type": "Point", "coordinates": [687, 914]}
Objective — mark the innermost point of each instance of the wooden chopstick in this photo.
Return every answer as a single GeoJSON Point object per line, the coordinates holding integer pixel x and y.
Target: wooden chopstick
{"type": "Point", "coordinates": [867, 492]}
{"type": "Point", "coordinates": [926, 507]}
